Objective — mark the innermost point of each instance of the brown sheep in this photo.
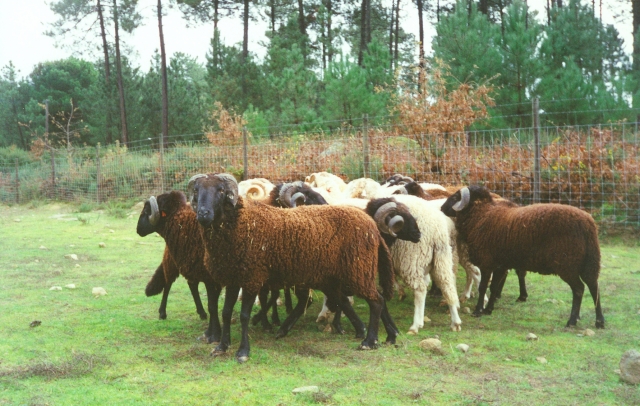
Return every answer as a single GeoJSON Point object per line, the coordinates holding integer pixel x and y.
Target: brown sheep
{"type": "Point", "coordinates": [332, 249]}
{"type": "Point", "coordinates": [544, 238]}
{"type": "Point", "coordinates": [171, 216]}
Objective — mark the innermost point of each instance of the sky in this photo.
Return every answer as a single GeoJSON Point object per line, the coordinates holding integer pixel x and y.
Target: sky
{"type": "Point", "coordinates": [23, 23]}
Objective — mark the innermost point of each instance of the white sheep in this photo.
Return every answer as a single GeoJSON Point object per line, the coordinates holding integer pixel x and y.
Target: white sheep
{"type": "Point", "coordinates": [255, 189]}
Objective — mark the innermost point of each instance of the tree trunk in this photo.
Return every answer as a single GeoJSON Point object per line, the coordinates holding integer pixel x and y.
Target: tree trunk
{"type": "Point", "coordinates": [107, 74]}
{"type": "Point", "coordinates": [483, 7]}
{"type": "Point", "coordinates": [397, 35]}
{"type": "Point", "coordinates": [363, 30]}
{"type": "Point", "coordinates": [23, 142]}
{"type": "Point", "coordinates": [216, 33]}
{"type": "Point", "coordinates": [368, 15]}
{"type": "Point", "coordinates": [301, 23]}
{"type": "Point", "coordinates": [165, 92]}
{"type": "Point", "coordinates": [393, 9]}
{"type": "Point", "coordinates": [329, 29]}
{"type": "Point", "coordinates": [502, 17]}
{"type": "Point", "coordinates": [272, 16]}
{"type": "Point", "coordinates": [548, 13]}
{"type": "Point", "coordinates": [245, 38]}
{"type": "Point", "coordinates": [421, 33]}
{"type": "Point", "coordinates": [124, 137]}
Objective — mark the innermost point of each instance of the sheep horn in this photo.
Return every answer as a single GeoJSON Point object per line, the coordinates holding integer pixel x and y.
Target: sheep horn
{"type": "Point", "coordinates": [464, 199]}
{"type": "Point", "coordinates": [395, 224]}
{"type": "Point", "coordinates": [231, 187]}
{"type": "Point", "coordinates": [298, 196]}
{"type": "Point", "coordinates": [381, 216]}
{"type": "Point", "coordinates": [190, 185]}
{"type": "Point", "coordinates": [286, 192]}
{"type": "Point", "coordinates": [256, 191]}
{"type": "Point", "coordinates": [401, 190]}
{"type": "Point", "coordinates": [155, 211]}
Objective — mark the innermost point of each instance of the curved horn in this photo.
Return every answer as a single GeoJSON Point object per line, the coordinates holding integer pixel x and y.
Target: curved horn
{"type": "Point", "coordinates": [155, 212]}
{"type": "Point", "coordinates": [231, 186]}
{"type": "Point", "coordinates": [381, 217]}
{"type": "Point", "coordinates": [287, 191]}
{"type": "Point", "coordinates": [395, 224]}
{"type": "Point", "coordinates": [298, 196]}
{"type": "Point", "coordinates": [256, 192]}
{"type": "Point", "coordinates": [406, 179]}
{"type": "Point", "coordinates": [464, 199]}
{"type": "Point", "coordinates": [190, 186]}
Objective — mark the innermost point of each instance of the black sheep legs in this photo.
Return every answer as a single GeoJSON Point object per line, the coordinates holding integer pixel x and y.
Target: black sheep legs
{"type": "Point", "coordinates": [303, 297]}
{"type": "Point", "coordinates": [213, 332]}
{"type": "Point", "coordinates": [193, 287]}
{"type": "Point", "coordinates": [231, 296]}
{"type": "Point", "coordinates": [375, 310]}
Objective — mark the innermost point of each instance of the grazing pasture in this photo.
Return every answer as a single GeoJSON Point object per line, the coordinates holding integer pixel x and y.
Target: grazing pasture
{"type": "Point", "coordinates": [114, 350]}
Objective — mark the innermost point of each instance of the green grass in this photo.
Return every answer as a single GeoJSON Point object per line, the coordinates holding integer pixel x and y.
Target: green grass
{"type": "Point", "coordinates": [114, 350]}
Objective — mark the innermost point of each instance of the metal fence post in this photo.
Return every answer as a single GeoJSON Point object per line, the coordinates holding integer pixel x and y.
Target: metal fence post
{"type": "Point", "coordinates": [245, 171]}
{"type": "Point", "coordinates": [161, 163]}
{"type": "Point", "coordinates": [365, 146]}
{"type": "Point", "coordinates": [98, 173]}
{"type": "Point", "coordinates": [536, 164]}
{"type": "Point", "coordinates": [17, 184]}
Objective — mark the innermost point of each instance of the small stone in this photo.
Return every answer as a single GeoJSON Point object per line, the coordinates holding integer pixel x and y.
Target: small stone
{"type": "Point", "coordinates": [17, 220]}
{"type": "Point", "coordinates": [77, 265]}
{"type": "Point", "coordinates": [39, 261]}
{"type": "Point", "coordinates": [111, 231]}
{"type": "Point", "coordinates": [97, 292]}
{"type": "Point", "coordinates": [531, 337]}
{"type": "Point", "coordinates": [42, 247]}
{"type": "Point", "coordinates": [35, 323]}
{"type": "Point", "coordinates": [426, 319]}
{"type": "Point", "coordinates": [579, 335]}
{"type": "Point", "coordinates": [466, 310]}
{"type": "Point", "coordinates": [70, 286]}
{"type": "Point", "coordinates": [71, 256]}
{"type": "Point", "coordinates": [307, 389]}
{"type": "Point", "coordinates": [279, 302]}
{"type": "Point", "coordinates": [630, 367]}
{"type": "Point", "coordinates": [508, 359]}
{"type": "Point", "coordinates": [430, 344]}
{"type": "Point", "coordinates": [71, 245]}
{"type": "Point", "coordinates": [102, 245]}
{"type": "Point", "coordinates": [617, 371]}
{"type": "Point", "coordinates": [589, 333]}
{"type": "Point", "coordinates": [55, 288]}
{"type": "Point", "coordinates": [462, 347]}
{"type": "Point", "coordinates": [541, 360]}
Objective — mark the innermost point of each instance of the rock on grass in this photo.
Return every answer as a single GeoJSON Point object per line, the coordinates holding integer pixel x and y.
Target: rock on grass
{"type": "Point", "coordinates": [630, 367]}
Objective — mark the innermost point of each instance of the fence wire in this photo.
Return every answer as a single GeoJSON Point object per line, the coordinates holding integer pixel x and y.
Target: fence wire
{"type": "Point", "coordinates": [593, 167]}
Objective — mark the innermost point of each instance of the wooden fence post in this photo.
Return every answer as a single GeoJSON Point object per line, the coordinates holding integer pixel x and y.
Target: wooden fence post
{"type": "Point", "coordinates": [536, 163]}
{"type": "Point", "coordinates": [161, 163]}
{"type": "Point", "coordinates": [245, 172]}
{"type": "Point", "coordinates": [365, 146]}
{"type": "Point", "coordinates": [17, 184]}
{"type": "Point", "coordinates": [98, 173]}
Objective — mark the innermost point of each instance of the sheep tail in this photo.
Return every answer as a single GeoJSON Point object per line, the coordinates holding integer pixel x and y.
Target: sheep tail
{"type": "Point", "coordinates": [157, 283]}
{"type": "Point", "coordinates": [385, 270]}
{"type": "Point", "coordinates": [591, 265]}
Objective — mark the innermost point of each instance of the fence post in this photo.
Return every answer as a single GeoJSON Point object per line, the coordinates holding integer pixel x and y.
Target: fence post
{"type": "Point", "coordinates": [245, 171]}
{"type": "Point", "coordinates": [536, 137]}
{"type": "Point", "coordinates": [98, 173]}
{"type": "Point", "coordinates": [365, 146]}
{"type": "Point", "coordinates": [161, 163]}
{"type": "Point", "coordinates": [53, 171]}
{"type": "Point", "coordinates": [17, 184]}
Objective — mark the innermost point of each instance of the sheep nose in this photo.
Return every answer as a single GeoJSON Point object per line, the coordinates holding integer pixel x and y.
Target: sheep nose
{"type": "Point", "coordinates": [203, 212]}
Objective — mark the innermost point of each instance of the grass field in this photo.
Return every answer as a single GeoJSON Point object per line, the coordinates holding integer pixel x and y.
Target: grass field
{"type": "Point", "coordinates": [113, 350]}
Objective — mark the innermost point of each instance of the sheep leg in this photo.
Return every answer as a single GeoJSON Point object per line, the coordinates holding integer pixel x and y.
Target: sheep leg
{"type": "Point", "coordinates": [345, 306]}
{"type": "Point", "coordinates": [261, 316]}
{"type": "Point", "coordinates": [230, 299]}
{"type": "Point", "coordinates": [482, 291]}
{"type": "Point", "coordinates": [324, 313]}
{"type": "Point", "coordinates": [497, 283]}
{"type": "Point", "coordinates": [288, 303]}
{"type": "Point", "coordinates": [213, 333]}
{"type": "Point", "coordinates": [303, 296]}
{"type": "Point", "coordinates": [193, 287]}
{"type": "Point", "coordinates": [163, 303]}
{"type": "Point", "coordinates": [248, 299]}
{"type": "Point", "coordinates": [375, 310]}
{"type": "Point", "coordinates": [577, 288]}
{"type": "Point", "coordinates": [523, 285]}
{"type": "Point", "coordinates": [419, 298]}
{"type": "Point", "coordinates": [498, 288]}
{"type": "Point", "coordinates": [595, 294]}
{"type": "Point", "coordinates": [389, 325]}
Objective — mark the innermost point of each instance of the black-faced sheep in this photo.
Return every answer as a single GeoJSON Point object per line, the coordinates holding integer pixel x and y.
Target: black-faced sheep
{"type": "Point", "coordinates": [162, 280]}
{"type": "Point", "coordinates": [171, 216]}
{"type": "Point", "coordinates": [543, 238]}
{"type": "Point", "coordinates": [332, 249]}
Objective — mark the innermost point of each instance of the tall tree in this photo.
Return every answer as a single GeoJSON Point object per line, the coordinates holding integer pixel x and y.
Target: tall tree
{"type": "Point", "coordinates": [165, 91]}
{"type": "Point", "coordinates": [124, 133]}
{"type": "Point", "coordinates": [11, 104]}
{"type": "Point", "coordinates": [635, 10]}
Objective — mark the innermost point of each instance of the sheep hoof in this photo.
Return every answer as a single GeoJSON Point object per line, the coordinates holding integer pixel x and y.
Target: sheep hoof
{"type": "Point", "coordinates": [359, 334]}
{"type": "Point", "coordinates": [242, 359]}
{"type": "Point", "coordinates": [163, 316]}
{"type": "Point", "coordinates": [391, 340]}
{"type": "Point", "coordinates": [599, 323]}
{"type": "Point", "coordinates": [216, 352]}
{"type": "Point", "coordinates": [412, 332]}
{"type": "Point", "coordinates": [521, 299]}
{"type": "Point", "coordinates": [281, 333]}
{"type": "Point", "coordinates": [487, 312]}
{"type": "Point", "coordinates": [456, 327]}
{"type": "Point", "coordinates": [203, 316]}
{"type": "Point", "coordinates": [477, 313]}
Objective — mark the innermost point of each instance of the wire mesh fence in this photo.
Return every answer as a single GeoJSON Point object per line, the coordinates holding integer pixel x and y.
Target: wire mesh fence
{"type": "Point", "coordinates": [594, 167]}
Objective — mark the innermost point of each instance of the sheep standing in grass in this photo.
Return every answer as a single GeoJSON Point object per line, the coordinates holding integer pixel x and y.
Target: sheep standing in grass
{"type": "Point", "coordinates": [171, 216]}
{"type": "Point", "coordinates": [544, 238]}
{"type": "Point", "coordinates": [332, 249]}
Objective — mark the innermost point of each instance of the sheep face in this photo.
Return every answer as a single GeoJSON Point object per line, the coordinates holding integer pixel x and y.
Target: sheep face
{"type": "Point", "coordinates": [210, 194]}
{"type": "Point", "coordinates": [390, 226]}
{"type": "Point", "coordinates": [458, 202]}
{"type": "Point", "coordinates": [156, 210]}
{"type": "Point", "coordinates": [397, 179]}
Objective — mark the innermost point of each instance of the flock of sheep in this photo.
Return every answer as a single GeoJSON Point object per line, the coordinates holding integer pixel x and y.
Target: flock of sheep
{"type": "Point", "coordinates": [354, 240]}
